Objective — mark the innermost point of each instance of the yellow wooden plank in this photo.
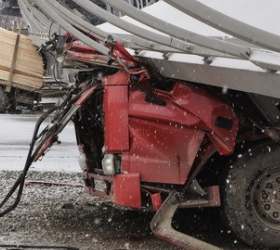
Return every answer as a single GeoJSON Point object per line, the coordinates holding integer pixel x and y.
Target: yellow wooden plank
{"type": "Point", "coordinates": [22, 68]}
{"type": "Point", "coordinates": [21, 81]}
{"type": "Point", "coordinates": [32, 51]}
{"type": "Point", "coordinates": [34, 63]}
{"type": "Point", "coordinates": [6, 49]}
{"type": "Point", "coordinates": [23, 64]}
{"type": "Point", "coordinates": [13, 62]}
{"type": "Point", "coordinates": [12, 35]}
{"type": "Point", "coordinates": [10, 41]}
{"type": "Point", "coordinates": [23, 71]}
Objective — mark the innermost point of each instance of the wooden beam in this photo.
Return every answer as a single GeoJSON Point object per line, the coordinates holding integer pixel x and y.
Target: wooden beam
{"type": "Point", "coordinates": [21, 66]}
{"type": "Point", "coordinates": [9, 86]}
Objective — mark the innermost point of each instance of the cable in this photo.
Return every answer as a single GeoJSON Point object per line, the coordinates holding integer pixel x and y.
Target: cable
{"type": "Point", "coordinates": [50, 29]}
{"type": "Point", "coordinates": [20, 181]}
{"type": "Point", "coordinates": [48, 135]}
{"type": "Point", "coordinates": [39, 247]}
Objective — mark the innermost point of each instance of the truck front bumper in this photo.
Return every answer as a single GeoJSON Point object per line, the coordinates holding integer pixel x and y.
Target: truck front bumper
{"type": "Point", "coordinates": [121, 189]}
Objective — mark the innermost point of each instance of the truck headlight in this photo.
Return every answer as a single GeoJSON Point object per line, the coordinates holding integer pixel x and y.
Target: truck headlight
{"type": "Point", "coordinates": [108, 165]}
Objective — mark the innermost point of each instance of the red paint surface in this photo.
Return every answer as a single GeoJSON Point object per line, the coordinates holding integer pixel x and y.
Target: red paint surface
{"type": "Point", "coordinates": [126, 190]}
{"type": "Point", "coordinates": [116, 112]}
{"type": "Point", "coordinates": [162, 153]}
{"type": "Point", "coordinates": [164, 140]}
{"type": "Point", "coordinates": [158, 144]}
{"type": "Point", "coordinates": [156, 201]}
{"type": "Point", "coordinates": [87, 57]}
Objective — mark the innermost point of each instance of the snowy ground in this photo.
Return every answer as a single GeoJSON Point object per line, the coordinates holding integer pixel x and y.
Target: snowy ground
{"type": "Point", "coordinates": [15, 136]}
{"type": "Point", "coordinates": [65, 215]}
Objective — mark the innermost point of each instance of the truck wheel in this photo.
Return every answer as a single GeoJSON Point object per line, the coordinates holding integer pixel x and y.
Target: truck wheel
{"type": "Point", "coordinates": [3, 101]}
{"type": "Point", "coordinates": [251, 197]}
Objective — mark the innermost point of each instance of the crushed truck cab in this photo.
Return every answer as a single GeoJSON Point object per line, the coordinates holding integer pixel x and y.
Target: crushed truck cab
{"type": "Point", "coordinates": [171, 113]}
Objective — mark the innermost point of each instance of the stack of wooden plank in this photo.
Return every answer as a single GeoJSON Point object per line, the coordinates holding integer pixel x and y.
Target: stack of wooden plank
{"type": "Point", "coordinates": [20, 64]}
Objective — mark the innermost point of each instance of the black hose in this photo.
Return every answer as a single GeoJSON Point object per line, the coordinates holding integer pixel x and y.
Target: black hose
{"type": "Point", "coordinates": [38, 247]}
{"type": "Point", "coordinates": [20, 180]}
{"type": "Point", "coordinates": [47, 133]}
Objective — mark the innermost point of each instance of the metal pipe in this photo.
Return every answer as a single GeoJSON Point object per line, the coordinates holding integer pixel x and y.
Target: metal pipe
{"type": "Point", "coordinates": [40, 18]}
{"type": "Point", "coordinates": [133, 43]}
{"type": "Point", "coordinates": [48, 10]}
{"type": "Point", "coordinates": [29, 18]}
{"type": "Point", "coordinates": [98, 33]}
{"type": "Point", "coordinates": [78, 21]}
{"type": "Point", "coordinates": [105, 15]}
{"type": "Point", "coordinates": [264, 59]}
{"type": "Point", "coordinates": [134, 29]}
{"type": "Point", "coordinates": [227, 24]}
{"type": "Point", "coordinates": [177, 32]}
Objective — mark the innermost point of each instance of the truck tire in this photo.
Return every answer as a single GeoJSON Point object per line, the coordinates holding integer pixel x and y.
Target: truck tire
{"type": "Point", "coordinates": [251, 196]}
{"type": "Point", "coordinates": [3, 101]}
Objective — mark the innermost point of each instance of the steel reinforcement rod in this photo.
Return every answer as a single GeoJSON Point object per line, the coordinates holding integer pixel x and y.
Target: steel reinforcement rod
{"type": "Point", "coordinates": [200, 45]}
{"type": "Point", "coordinates": [227, 24]}
{"type": "Point", "coordinates": [46, 8]}
{"type": "Point", "coordinates": [129, 41]}
{"type": "Point", "coordinates": [39, 17]}
{"type": "Point", "coordinates": [77, 21]}
{"type": "Point", "coordinates": [34, 26]}
{"type": "Point", "coordinates": [164, 39]}
{"type": "Point", "coordinates": [264, 59]}
{"type": "Point", "coordinates": [131, 28]}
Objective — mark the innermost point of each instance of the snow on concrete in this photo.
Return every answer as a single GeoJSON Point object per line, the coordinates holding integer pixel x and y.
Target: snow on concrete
{"type": "Point", "coordinates": [15, 136]}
